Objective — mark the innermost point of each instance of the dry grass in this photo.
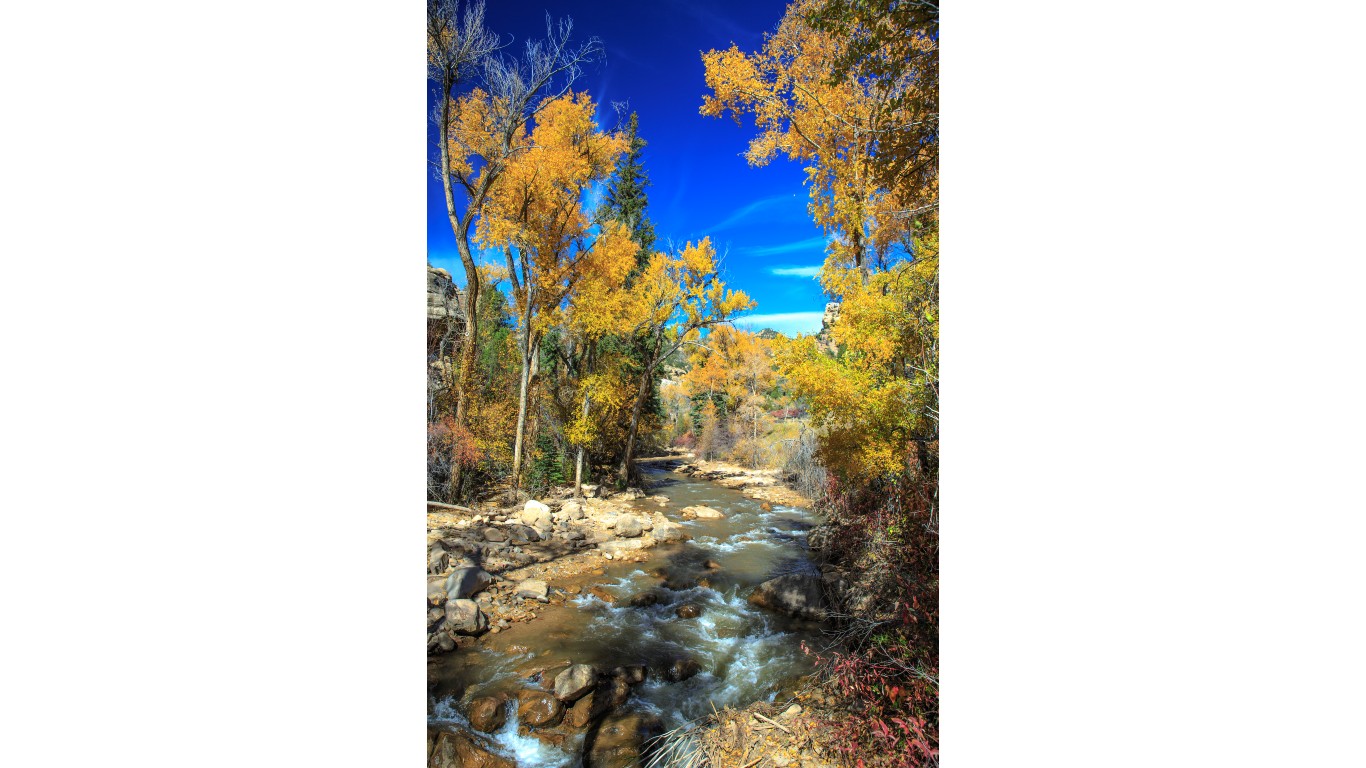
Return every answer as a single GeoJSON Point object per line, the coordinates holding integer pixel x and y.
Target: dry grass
{"type": "Point", "coordinates": [758, 736]}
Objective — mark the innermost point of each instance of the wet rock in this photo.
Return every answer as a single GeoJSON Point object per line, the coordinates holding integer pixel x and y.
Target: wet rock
{"type": "Point", "coordinates": [682, 669]}
{"type": "Point", "coordinates": [614, 693]}
{"type": "Point", "coordinates": [463, 750]}
{"type": "Point", "coordinates": [621, 740]}
{"type": "Point", "coordinates": [493, 534]}
{"type": "Point", "coordinates": [705, 513]}
{"type": "Point", "coordinates": [712, 565]}
{"type": "Point", "coordinates": [573, 683]}
{"type": "Point", "coordinates": [633, 674]}
{"type": "Point", "coordinates": [535, 514]}
{"type": "Point", "coordinates": [602, 594]}
{"type": "Point", "coordinates": [688, 611]}
{"type": "Point", "coordinates": [795, 594]}
{"type": "Point", "coordinates": [467, 582]}
{"type": "Point", "coordinates": [765, 506]}
{"type": "Point", "coordinates": [464, 617]}
{"type": "Point", "coordinates": [644, 599]}
{"type": "Point", "coordinates": [533, 588]}
{"type": "Point", "coordinates": [628, 526]}
{"type": "Point", "coordinates": [487, 714]}
{"type": "Point", "coordinates": [539, 709]}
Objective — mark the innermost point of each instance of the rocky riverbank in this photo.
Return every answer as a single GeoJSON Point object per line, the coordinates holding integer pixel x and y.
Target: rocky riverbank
{"type": "Point", "coordinates": [504, 578]}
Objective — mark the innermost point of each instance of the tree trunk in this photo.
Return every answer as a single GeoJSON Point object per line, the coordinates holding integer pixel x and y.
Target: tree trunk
{"type": "Point", "coordinates": [527, 372]}
{"type": "Point", "coordinates": [624, 476]}
{"type": "Point", "coordinates": [460, 227]}
{"type": "Point", "coordinates": [578, 460]}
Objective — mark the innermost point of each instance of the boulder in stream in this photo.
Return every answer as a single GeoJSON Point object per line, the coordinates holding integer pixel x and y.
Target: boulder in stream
{"type": "Point", "coordinates": [573, 683]}
{"type": "Point", "coordinates": [539, 709]}
{"type": "Point", "coordinates": [688, 611]}
{"type": "Point", "coordinates": [701, 513]}
{"type": "Point", "coordinates": [621, 740]}
{"type": "Point", "coordinates": [795, 594]}
{"type": "Point", "coordinates": [682, 669]}
{"type": "Point", "coordinates": [487, 714]}
{"type": "Point", "coordinates": [447, 749]}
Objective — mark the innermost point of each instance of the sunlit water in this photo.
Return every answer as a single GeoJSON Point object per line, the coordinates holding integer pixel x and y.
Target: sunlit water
{"type": "Point", "coordinates": [746, 654]}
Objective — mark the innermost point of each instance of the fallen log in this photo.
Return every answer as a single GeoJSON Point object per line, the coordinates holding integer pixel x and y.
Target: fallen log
{"type": "Point", "coordinates": [451, 506]}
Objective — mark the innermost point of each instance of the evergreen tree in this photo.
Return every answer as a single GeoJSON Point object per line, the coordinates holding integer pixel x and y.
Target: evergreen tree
{"type": "Point", "coordinates": [625, 201]}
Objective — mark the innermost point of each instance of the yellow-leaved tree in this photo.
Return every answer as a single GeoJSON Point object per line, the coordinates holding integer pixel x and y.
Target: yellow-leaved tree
{"type": "Point", "coordinates": [536, 217]}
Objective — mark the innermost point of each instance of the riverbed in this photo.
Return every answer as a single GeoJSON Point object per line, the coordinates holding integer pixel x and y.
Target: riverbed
{"type": "Point", "coordinates": [745, 654]}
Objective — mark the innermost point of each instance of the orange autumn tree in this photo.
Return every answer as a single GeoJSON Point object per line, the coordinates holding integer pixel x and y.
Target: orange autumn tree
{"type": "Point", "coordinates": [536, 217]}
{"type": "Point", "coordinates": [866, 130]}
{"type": "Point", "coordinates": [674, 298]}
{"type": "Point", "coordinates": [849, 89]}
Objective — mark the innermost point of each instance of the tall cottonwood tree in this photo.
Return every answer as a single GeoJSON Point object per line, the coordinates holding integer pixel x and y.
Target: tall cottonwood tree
{"type": "Point", "coordinates": [536, 218]}
{"type": "Point", "coordinates": [479, 132]}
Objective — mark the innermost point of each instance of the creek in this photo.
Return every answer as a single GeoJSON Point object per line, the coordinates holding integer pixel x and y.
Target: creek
{"type": "Point", "coordinates": [746, 654]}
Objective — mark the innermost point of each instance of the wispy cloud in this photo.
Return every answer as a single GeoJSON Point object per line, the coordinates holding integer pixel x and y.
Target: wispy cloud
{"type": "Point", "coordinates": [789, 323]}
{"type": "Point", "coordinates": [807, 245]}
{"type": "Point", "coordinates": [748, 211]}
{"type": "Point", "coordinates": [811, 271]}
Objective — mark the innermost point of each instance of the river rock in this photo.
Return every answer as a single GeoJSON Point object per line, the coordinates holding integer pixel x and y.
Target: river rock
{"type": "Point", "coordinates": [536, 514]}
{"type": "Point", "coordinates": [573, 683]}
{"type": "Point", "coordinates": [463, 750]}
{"type": "Point", "coordinates": [629, 526]}
{"type": "Point", "coordinates": [436, 591]}
{"type": "Point", "coordinates": [590, 491]}
{"type": "Point", "coordinates": [602, 594]}
{"type": "Point", "coordinates": [682, 669]}
{"type": "Point", "coordinates": [630, 494]}
{"type": "Point", "coordinates": [467, 582]}
{"type": "Point", "coordinates": [538, 709]}
{"type": "Point", "coordinates": [795, 594]}
{"type": "Point", "coordinates": [688, 611]}
{"type": "Point", "coordinates": [644, 599]}
{"type": "Point", "coordinates": [572, 510]}
{"type": "Point", "coordinates": [706, 513]}
{"type": "Point", "coordinates": [464, 617]}
{"type": "Point", "coordinates": [633, 674]}
{"type": "Point", "coordinates": [668, 531]}
{"type": "Point", "coordinates": [437, 559]}
{"type": "Point", "coordinates": [494, 535]}
{"type": "Point", "coordinates": [533, 588]}
{"type": "Point", "coordinates": [521, 535]}
{"type": "Point", "coordinates": [487, 714]}
{"type": "Point", "coordinates": [621, 740]}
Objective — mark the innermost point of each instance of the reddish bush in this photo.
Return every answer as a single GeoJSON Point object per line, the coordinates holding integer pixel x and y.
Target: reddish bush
{"type": "Point", "coordinates": [687, 440]}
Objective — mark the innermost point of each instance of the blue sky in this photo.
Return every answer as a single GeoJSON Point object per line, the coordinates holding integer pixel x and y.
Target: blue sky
{"type": "Point", "coordinates": [700, 182]}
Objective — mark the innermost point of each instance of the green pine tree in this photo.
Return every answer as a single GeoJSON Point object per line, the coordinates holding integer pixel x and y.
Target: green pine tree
{"type": "Point", "coordinates": [626, 201]}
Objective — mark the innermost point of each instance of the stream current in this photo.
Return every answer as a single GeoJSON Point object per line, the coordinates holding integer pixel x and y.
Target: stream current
{"type": "Point", "coordinates": [746, 654]}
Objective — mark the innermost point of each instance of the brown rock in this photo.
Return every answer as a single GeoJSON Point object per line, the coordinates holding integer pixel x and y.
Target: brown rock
{"type": "Point", "coordinates": [688, 611]}
{"type": "Point", "coordinates": [538, 709]}
{"type": "Point", "coordinates": [463, 750]}
{"type": "Point", "coordinates": [573, 683]}
{"type": "Point", "coordinates": [487, 714]}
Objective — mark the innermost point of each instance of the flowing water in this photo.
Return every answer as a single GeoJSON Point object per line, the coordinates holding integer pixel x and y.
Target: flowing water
{"type": "Point", "coordinates": [746, 654]}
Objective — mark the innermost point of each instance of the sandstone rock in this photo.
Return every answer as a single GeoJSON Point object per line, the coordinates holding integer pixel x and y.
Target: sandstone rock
{"type": "Point", "coordinates": [487, 714]}
{"type": "Point", "coordinates": [573, 683]}
{"type": "Point", "coordinates": [795, 594]}
{"type": "Point", "coordinates": [628, 526]}
{"type": "Point", "coordinates": [688, 611]}
{"type": "Point", "coordinates": [621, 740]}
{"type": "Point", "coordinates": [462, 750]}
{"type": "Point", "coordinates": [467, 582]}
{"type": "Point", "coordinates": [602, 594]}
{"type": "Point", "coordinates": [535, 513]}
{"type": "Point", "coordinates": [668, 531]}
{"type": "Point", "coordinates": [464, 617]}
{"type": "Point", "coordinates": [538, 709]}
{"type": "Point", "coordinates": [703, 513]}
{"type": "Point", "coordinates": [533, 588]}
